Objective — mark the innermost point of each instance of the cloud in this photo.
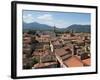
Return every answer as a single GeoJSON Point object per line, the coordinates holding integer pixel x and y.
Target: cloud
{"type": "Point", "coordinates": [45, 17]}
{"type": "Point", "coordinates": [28, 18]}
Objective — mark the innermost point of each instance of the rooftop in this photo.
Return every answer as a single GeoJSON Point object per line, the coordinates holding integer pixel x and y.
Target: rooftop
{"type": "Point", "coordinates": [87, 61]}
{"type": "Point", "coordinates": [73, 62]}
{"type": "Point", "coordinates": [45, 65]}
{"type": "Point", "coordinates": [60, 52]}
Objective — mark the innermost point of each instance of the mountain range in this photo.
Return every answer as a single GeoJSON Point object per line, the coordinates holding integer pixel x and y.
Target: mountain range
{"type": "Point", "coordinates": [38, 26]}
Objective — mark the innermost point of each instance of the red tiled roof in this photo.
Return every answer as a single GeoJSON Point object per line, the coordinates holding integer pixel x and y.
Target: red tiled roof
{"type": "Point", "coordinates": [60, 52]}
{"type": "Point", "coordinates": [73, 62]}
{"type": "Point", "coordinates": [56, 43]}
{"type": "Point", "coordinates": [87, 61]}
{"type": "Point", "coordinates": [40, 65]}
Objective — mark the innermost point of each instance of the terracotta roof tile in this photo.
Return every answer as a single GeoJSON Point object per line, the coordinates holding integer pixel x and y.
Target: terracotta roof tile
{"type": "Point", "coordinates": [87, 61]}
{"type": "Point", "coordinates": [73, 62]}
{"type": "Point", "coordinates": [60, 52]}
{"type": "Point", "coordinates": [40, 65]}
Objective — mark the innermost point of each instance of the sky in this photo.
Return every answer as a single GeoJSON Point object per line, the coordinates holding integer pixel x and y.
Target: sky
{"type": "Point", "coordinates": [58, 19]}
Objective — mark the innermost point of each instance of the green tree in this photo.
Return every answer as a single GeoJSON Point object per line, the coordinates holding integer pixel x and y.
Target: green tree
{"type": "Point", "coordinates": [33, 32]}
{"type": "Point", "coordinates": [35, 60]}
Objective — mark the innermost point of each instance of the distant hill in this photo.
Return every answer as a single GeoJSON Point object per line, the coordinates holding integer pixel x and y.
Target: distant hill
{"type": "Point", "coordinates": [79, 28]}
{"type": "Point", "coordinates": [38, 26]}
